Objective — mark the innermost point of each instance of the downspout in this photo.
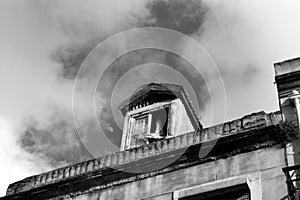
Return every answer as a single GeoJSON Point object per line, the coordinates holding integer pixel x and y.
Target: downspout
{"type": "Point", "coordinates": [296, 100]}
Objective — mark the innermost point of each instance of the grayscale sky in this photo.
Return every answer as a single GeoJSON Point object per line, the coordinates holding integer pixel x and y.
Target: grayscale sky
{"type": "Point", "coordinates": [43, 43]}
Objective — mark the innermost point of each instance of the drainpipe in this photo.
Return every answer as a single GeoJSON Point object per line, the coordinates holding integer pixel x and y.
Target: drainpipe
{"type": "Point", "coordinates": [296, 100]}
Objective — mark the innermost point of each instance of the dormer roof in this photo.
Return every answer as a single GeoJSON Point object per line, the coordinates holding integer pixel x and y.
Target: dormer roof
{"type": "Point", "coordinates": [159, 92]}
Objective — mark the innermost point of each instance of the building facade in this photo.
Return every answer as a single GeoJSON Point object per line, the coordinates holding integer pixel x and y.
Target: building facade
{"type": "Point", "coordinates": [166, 154]}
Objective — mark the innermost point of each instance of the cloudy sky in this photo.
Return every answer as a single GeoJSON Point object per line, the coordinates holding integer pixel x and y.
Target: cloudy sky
{"type": "Point", "coordinates": [43, 43]}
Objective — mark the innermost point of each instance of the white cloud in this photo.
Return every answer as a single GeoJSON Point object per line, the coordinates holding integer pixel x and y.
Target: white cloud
{"type": "Point", "coordinates": [245, 38]}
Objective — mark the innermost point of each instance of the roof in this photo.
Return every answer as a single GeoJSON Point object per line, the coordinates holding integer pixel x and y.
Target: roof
{"type": "Point", "coordinates": [162, 92]}
{"type": "Point", "coordinates": [257, 124]}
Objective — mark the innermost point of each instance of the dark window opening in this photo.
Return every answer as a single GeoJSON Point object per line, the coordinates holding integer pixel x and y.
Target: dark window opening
{"type": "Point", "coordinates": [241, 192]}
{"type": "Point", "coordinates": [159, 122]}
{"type": "Point", "coordinates": [150, 127]}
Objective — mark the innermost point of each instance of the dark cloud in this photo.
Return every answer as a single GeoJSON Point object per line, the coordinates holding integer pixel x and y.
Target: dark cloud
{"type": "Point", "coordinates": [251, 70]}
{"type": "Point", "coordinates": [184, 16]}
{"type": "Point", "coordinates": [57, 142]}
{"type": "Point", "coordinates": [71, 58]}
{"type": "Point", "coordinates": [84, 25]}
{"type": "Point", "coordinates": [187, 17]}
{"type": "Point", "coordinates": [244, 74]}
{"type": "Point", "coordinates": [137, 58]}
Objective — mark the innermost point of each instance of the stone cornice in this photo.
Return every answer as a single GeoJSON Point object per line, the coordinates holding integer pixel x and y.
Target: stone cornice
{"type": "Point", "coordinates": [106, 177]}
{"type": "Point", "coordinates": [249, 124]}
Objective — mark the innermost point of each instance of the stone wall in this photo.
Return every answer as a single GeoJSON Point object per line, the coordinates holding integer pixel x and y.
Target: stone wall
{"type": "Point", "coordinates": [261, 168]}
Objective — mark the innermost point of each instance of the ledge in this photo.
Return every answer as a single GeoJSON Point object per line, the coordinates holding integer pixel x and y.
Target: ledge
{"type": "Point", "coordinates": [108, 177]}
{"type": "Point", "coordinates": [100, 167]}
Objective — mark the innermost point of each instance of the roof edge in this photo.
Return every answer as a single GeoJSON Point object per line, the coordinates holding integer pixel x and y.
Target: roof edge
{"type": "Point", "coordinates": [106, 177]}
{"type": "Point", "coordinates": [247, 123]}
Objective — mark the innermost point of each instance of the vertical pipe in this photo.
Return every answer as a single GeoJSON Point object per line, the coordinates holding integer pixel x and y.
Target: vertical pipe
{"type": "Point", "coordinates": [297, 105]}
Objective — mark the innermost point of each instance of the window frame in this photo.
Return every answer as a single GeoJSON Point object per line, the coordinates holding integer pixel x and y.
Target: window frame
{"type": "Point", "coordinates": [251, 180]}
{"type": "Point", "coordinates": [130, 120]}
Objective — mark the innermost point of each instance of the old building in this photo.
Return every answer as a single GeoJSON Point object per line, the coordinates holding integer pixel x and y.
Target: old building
{"type": "Point", "coordinates": [166, 154]}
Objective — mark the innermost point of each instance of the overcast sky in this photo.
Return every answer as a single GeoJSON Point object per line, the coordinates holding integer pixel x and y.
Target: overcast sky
{"type": "Point", "coordinates": [42, 44]}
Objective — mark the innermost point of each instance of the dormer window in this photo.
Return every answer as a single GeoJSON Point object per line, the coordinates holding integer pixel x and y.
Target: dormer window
{"type": "Point", "coordinates": [155, 113]}
{"type": "Point", "coordinates": [149, 125]}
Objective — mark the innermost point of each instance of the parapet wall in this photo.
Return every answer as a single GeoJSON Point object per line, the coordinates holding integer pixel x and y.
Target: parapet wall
{"type": "Point", "coordinates": [287, 66]}
{"type": "Point", "coordinates": [248, 122]}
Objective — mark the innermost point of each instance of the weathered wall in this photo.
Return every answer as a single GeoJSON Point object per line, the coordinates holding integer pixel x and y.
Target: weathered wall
{"type": "Point", "coordinates": [287, 80]}
{"type": "Point", "coordinates": [262, 168]}
{"type": "Point", "coordinates": [255, 125]}
{"type": "Point", "coordinates": [183, 123]}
